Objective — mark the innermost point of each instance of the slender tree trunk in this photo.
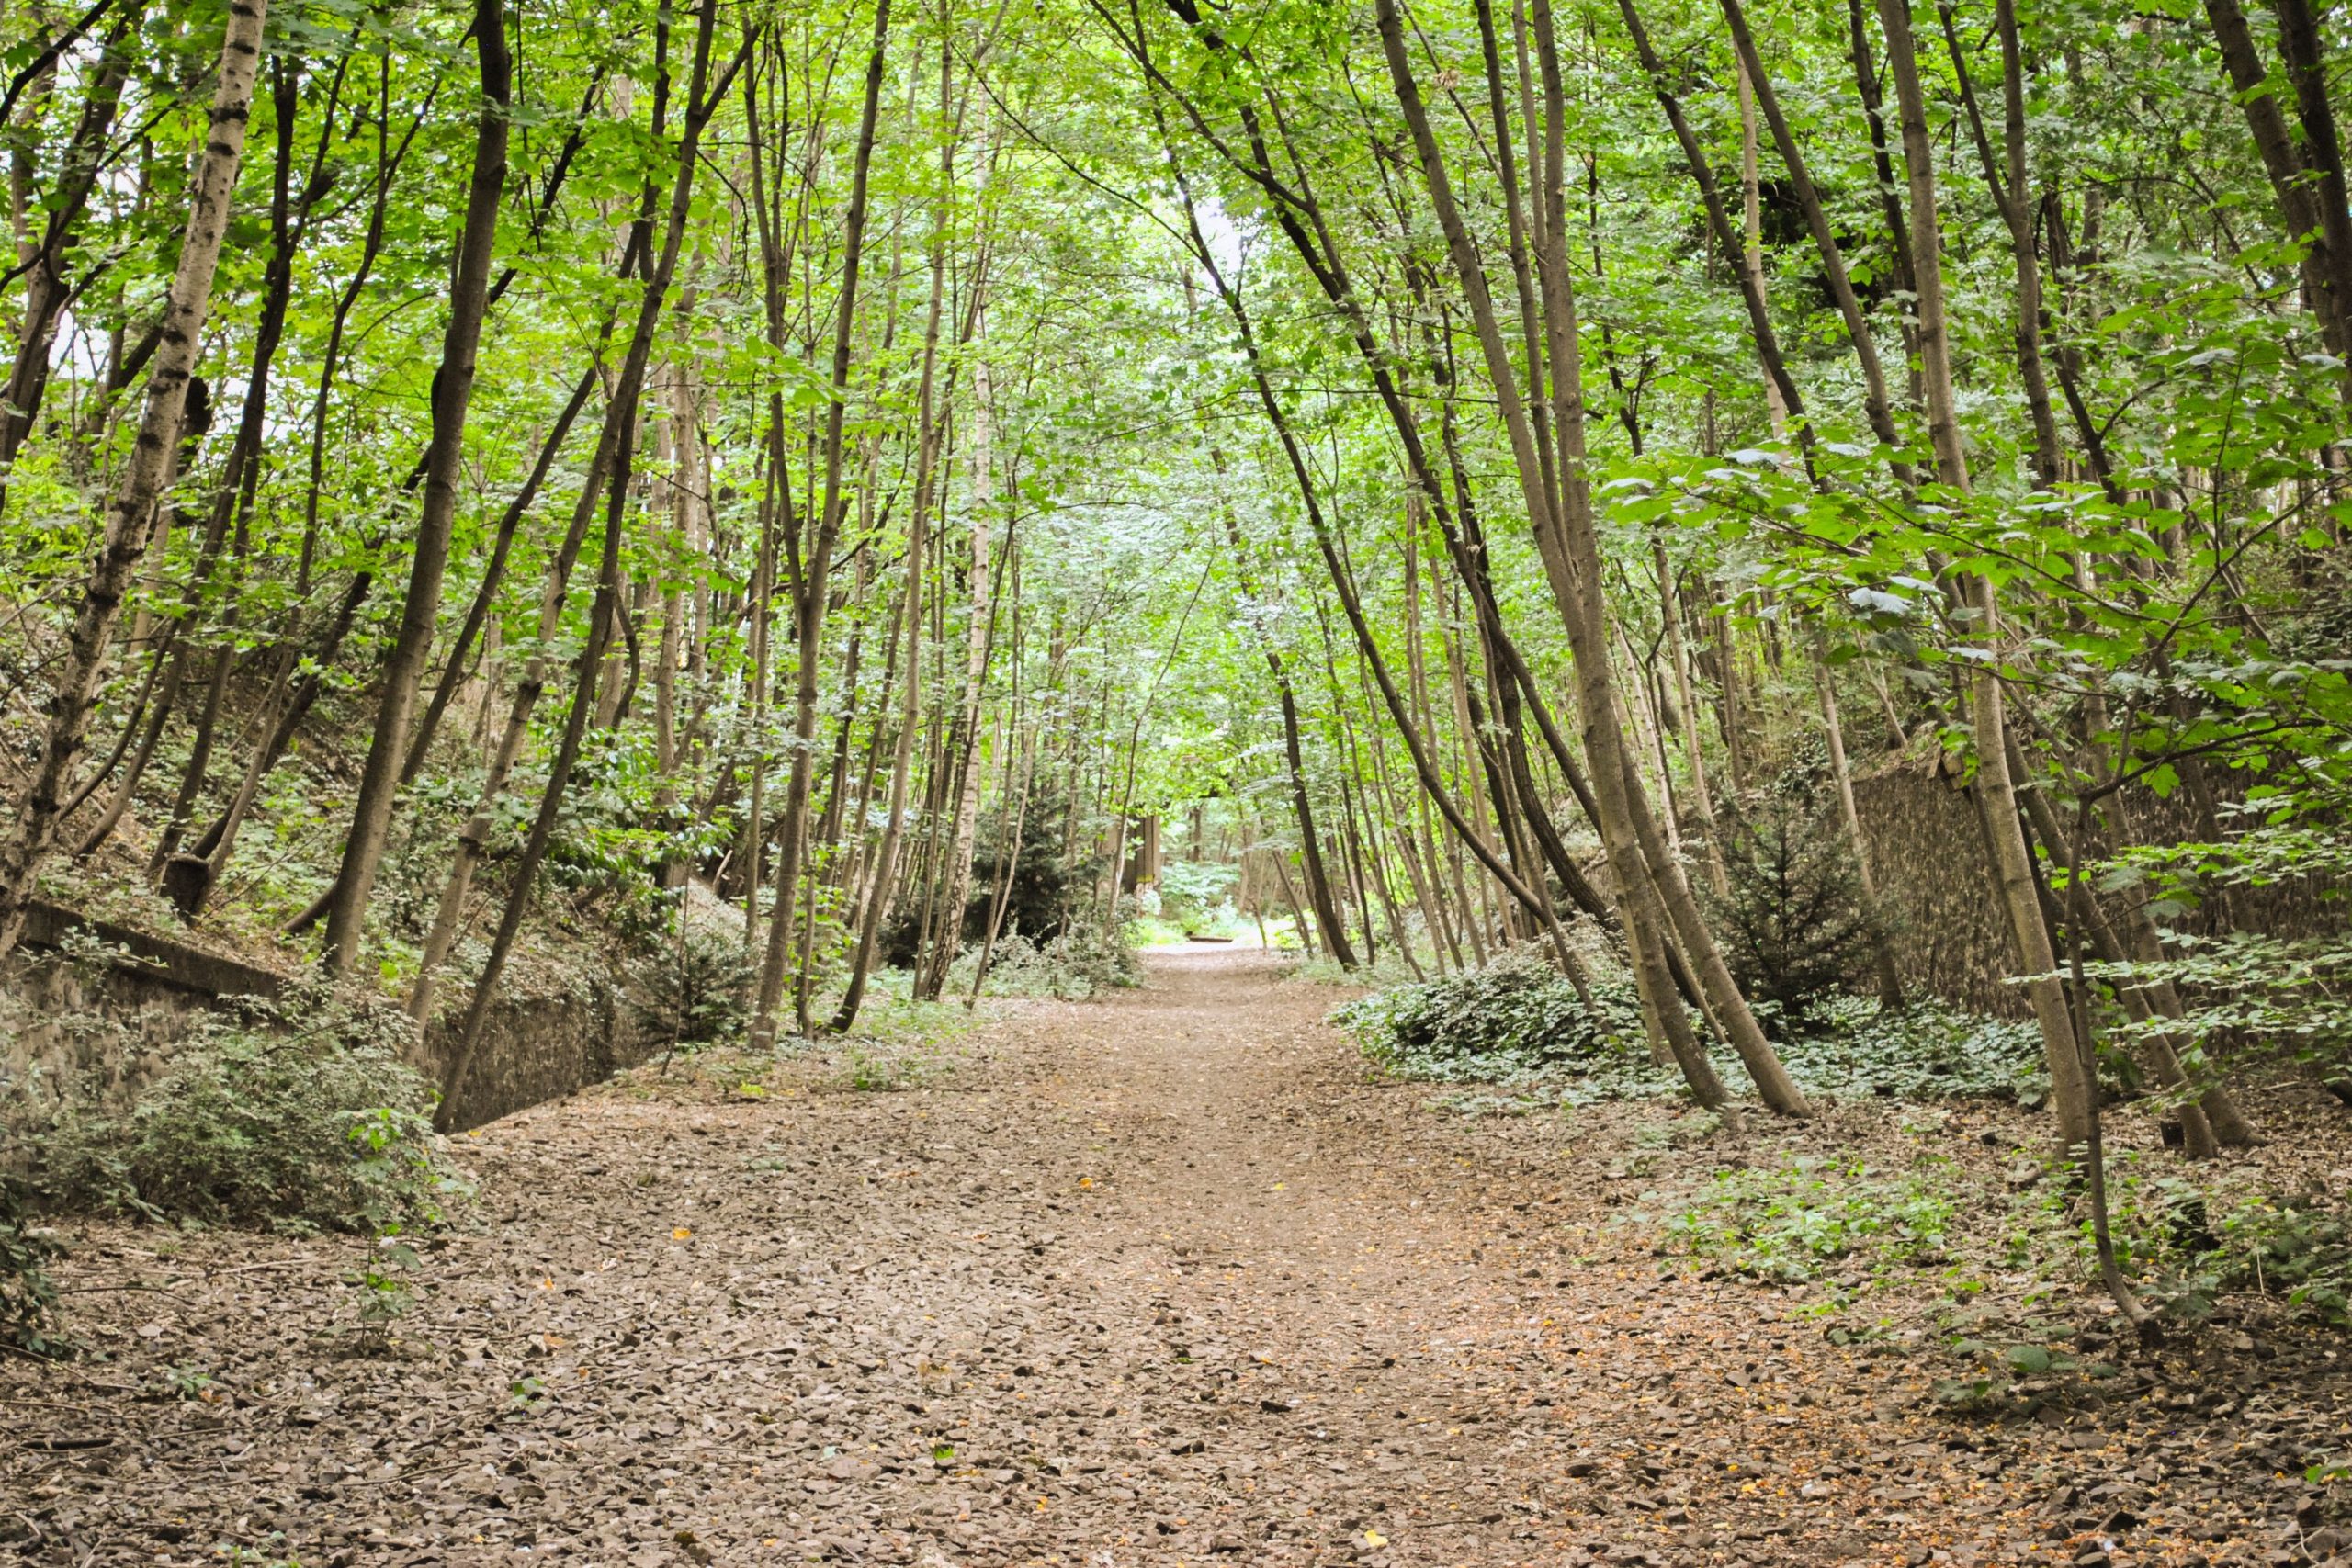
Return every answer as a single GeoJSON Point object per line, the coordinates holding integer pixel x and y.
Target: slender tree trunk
{"type": "Point", "coordinates": [1693, 754]}
{"type": "Point", "coordinates": [978, 637]}
{"type": "Point", "coordinates": [453, 387]}
{"type": "Point", "coordinates": [702, 98]}
{"type": "Point", "coordinates": [809, 595]}
{"type": "Point", "coordinates": [2006, 179]}
{"type": "Point", "coordinates": [2213, 1117]}
{"type": "Point", "coordinates": [29, 839]}
{"type": "Point", "coordinates": [1022, 762]}
{"type": "Point", "coordinates": [883, 883]}
{"type": "Point", "coordinates": [1875, 401]}
{"type": "Point", "coordinates": [473, 837]}
{"type": "Point", "coordinates": [493, 575]}
{"type": "Point", "coordinates": [1890, 979]}
{"type": "Point", "coordinates": [2012, 870]}
{"type": "Point", "coordinates": [2300, 47]}
{"type": "Point", "coordinates": [1319, 882]}
{"type": "Point", "coordinates": [47, 291]}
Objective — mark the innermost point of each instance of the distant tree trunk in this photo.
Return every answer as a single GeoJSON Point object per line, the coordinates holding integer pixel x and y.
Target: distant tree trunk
{"type": "Point", "coordinates": [29, 839]}
{"type": "Point", "coordinates": [1319, 882]}
{"type": "Point", "coordinates": [809, 593]}
{"type": "Point", "coordinates": [1021, 763]}
{"type": "Point", "coordinates": [1890, 979]}
{"type": "Point", "coordinates": [978, 639]}
{"type": "Point", "coordinates": [1670, 614]}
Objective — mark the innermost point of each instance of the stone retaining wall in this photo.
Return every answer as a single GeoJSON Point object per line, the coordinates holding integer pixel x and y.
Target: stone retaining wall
{"type": "Point", "coordinates": [101, 1022]}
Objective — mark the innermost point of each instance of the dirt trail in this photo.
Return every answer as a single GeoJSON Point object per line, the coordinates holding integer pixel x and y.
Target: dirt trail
{"type": "Point", "coordinates": [1159, 1280]}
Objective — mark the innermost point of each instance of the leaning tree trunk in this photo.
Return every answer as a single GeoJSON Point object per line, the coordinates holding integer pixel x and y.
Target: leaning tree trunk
{"type": "Point", "coordinates": [1570, 548]}
{"type": "Point", "coordinates": [29, 837]}
{"type": "Point", "coordinates": [453, 386]}
{"type": "Point", "coordinates": [605, 614]}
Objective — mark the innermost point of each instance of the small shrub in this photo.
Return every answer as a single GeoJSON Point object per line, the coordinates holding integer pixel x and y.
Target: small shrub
{"type": "Point", "coordinates": [1196, 896]}
{"type": "Point", "coordinates": [691, 989]}
{"type": "Point", "coordinates": [875, 1072]}
{"type": "Point", "coordinates": [1796, 927]}
{"type": "Point", "coordinates": [1929, 1050]}
{"type": "Point", "coordinates": [297, 1113]}
{"type": "Point", "coordinates": [2197, 1244]}
{"type": "Point", "coordinates": [1068, 967]}
{"type": "Point", "coordinates": [1517, 1018]}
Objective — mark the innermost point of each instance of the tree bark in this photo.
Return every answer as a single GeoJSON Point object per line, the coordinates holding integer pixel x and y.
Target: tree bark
{"type": "Point", "coordinates": [810, 591]}
{"type": "Point", "coordinates": [28, 840]}
{"type": "Point", "coordinates": [453, 385]}
{"type": "Point", "coordinates": [2012, 865]}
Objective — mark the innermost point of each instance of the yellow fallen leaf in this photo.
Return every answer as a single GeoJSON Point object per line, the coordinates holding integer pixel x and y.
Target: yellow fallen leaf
{"type": "Point", "coordinates": [681, 1233]}
{"type": "Point", "coordinates": [1374, 1538]}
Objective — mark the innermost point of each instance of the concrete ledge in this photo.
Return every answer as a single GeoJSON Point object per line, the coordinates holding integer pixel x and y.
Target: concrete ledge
{"type": "Point", "coordinates": [156, 959]}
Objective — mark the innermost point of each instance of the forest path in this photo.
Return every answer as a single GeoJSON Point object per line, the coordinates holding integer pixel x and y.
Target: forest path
{"type": "Point", "coordinates": [1158, 1279]}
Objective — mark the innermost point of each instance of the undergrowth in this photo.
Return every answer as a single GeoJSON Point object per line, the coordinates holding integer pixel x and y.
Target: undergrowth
{"type": "Point", "coordinates": [1519, 1021]}
{"type": "Point", "coordinates": [27, 1295]}
{"type": "Point", "coordinates": [297, 1114]}
{"type": "Point", "coordinates": [1792, 1221]}
{"type": "Point", "coordinates": [1072, 965]}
